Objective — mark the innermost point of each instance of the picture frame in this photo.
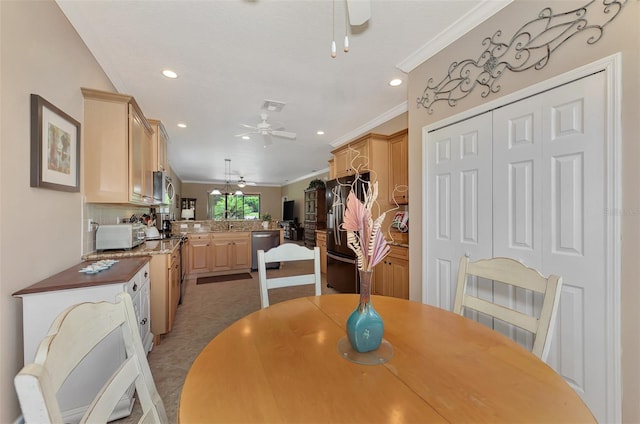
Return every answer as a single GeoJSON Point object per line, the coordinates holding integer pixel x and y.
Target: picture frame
{"type": "Point", "coordinates": [55, 147]}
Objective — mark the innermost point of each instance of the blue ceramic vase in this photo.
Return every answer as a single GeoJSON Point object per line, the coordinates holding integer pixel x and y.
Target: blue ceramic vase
{"type": "Point", "coordinates": [364, 325]}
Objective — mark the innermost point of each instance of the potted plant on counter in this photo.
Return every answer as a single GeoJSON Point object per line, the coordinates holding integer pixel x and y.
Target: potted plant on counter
{"type": "Point", "coordinates": [266, 219]}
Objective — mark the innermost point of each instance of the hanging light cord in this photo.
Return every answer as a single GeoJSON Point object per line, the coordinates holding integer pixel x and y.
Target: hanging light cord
{"type": "Point", "coordinates": [346, 27]}
{"type": "Point", "coordinates": [333, 29]}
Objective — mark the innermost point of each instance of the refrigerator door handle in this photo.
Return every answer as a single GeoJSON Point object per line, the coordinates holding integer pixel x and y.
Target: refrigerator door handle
{"type": "Point", "coordinates": [341, 258]}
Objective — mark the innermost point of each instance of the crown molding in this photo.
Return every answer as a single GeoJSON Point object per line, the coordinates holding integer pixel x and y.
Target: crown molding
{"type": "Point", "coordinates": [381, 119]}
{"type": "Point", "coordinates": [480, 13]}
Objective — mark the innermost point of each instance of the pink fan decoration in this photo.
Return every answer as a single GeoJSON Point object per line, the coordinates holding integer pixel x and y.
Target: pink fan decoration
{"type": "Point", "coordinates": [364, 235]}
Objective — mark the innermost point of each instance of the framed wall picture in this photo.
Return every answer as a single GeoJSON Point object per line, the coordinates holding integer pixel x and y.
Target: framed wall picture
{"type": "Point", "coordinates": [55, 147]}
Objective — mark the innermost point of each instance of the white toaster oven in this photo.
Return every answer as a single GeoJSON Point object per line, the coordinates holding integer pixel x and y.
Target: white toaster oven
{"type": "Point", "coordinates": [119, 236]}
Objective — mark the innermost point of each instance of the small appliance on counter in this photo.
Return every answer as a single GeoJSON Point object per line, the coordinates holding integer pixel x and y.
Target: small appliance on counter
{"type": "Point", "coordinates": [120, 236]}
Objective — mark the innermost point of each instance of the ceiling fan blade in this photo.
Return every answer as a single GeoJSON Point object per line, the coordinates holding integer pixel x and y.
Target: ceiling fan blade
{"type": "Point", "coordinates": [284, 134]}
{"type": "Point", "coordinates": [243, 134]}
{"type": "Point", "coordinates": [250, 183]}
{"type": "Point", "coordinates": [250, 126]}
{"type": "Point", "coordinates": [359, 11]}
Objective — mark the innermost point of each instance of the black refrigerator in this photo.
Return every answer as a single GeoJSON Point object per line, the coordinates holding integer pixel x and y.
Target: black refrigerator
{"type": "Point", "coordinates": [342, 273]}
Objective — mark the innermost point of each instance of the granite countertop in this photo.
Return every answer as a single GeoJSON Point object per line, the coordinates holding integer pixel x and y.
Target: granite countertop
{"type": "Point", "coordinates": [70, 278]}
{"type": "Point", "coordinates": [152, 247]}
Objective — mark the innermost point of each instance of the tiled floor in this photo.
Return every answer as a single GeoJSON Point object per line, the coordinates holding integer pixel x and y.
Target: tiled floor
{"type": "Point", "coordinates": [208, 309]}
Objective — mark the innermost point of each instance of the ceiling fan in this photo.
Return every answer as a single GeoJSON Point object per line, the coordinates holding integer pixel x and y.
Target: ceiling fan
{"type": "Point", "coordinates": [266, 131]}
{"type": "Point", "coordinates": [243, 183]}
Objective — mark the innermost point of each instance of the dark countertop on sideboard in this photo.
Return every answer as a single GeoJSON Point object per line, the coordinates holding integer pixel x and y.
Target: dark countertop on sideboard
{"type": "Point", "coordinates": [70, 278]}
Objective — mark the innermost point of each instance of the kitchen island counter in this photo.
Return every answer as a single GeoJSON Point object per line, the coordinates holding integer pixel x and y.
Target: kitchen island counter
{"type": "Point", "coordinates": [152, 247]}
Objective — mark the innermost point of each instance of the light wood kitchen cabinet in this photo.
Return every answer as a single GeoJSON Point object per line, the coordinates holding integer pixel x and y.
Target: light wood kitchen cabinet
{"type": "Point", "coordinates": [231, 251]}
{"type": "Point", "coordinates": [219, 252]}
{"type": "Point", "coordinates": [371, 153]}
{"type": "Point", "coordinates": [165, 292]}
{"type": "Point", "coordinates": [332, 169]}
{"type": "Point", "coordinates": [399, 168]}
{"type": "Point", "coordinates": [199, 248]}
{"type": "Point", "coordinates": [159, 146]}
{"type": "Point", "coordinates": [357, 155]}
{"type": "Point", "coordinates": [117, 149]}
{"type": "Point", "coordinates": [391, 276]}
{"type": "Point", "coordinates": [321, 242]}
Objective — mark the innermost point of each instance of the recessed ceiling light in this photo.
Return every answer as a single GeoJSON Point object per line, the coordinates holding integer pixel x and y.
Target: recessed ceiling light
{"type": "Point", "coordinates": [181, 125]}
{"type": "Point", "coordinates": [246, 137]}
{"type": "Point", "coordinates": [395, 82]}
{"type": "Point", "coordinates": [320, 132]}
{"type": "Point", "coordinates": [169, 74]}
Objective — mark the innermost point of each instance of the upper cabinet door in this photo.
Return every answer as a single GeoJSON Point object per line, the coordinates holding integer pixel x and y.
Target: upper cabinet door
{"type": "Point", "coordinates": [398, 169]}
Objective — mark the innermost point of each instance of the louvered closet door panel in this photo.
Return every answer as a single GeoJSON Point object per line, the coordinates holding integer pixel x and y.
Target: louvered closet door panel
{"type": "Point", "coordinates": [459, 217]}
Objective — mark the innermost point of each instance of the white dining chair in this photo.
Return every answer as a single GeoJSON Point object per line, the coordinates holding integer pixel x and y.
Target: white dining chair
{"type": "Point", "coordinates": [73, 334]}
{"type": "Point", "coordinates": [285, 253]}
{"type": "Point", "coordinates": [511, 272]}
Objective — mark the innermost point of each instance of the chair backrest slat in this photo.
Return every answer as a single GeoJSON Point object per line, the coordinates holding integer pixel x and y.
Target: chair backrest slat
{"type": "Point", "coordinates": [286, 253]}
{"type": "Point", "coordinates": [511, 272]}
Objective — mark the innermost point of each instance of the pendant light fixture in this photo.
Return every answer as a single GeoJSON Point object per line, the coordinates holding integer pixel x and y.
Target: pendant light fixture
{"type": "Point", "coordinates": [227, 186]}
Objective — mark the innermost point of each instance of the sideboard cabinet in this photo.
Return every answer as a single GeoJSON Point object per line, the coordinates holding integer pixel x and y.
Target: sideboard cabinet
{"type": "Point", "coordinates": [44, 301]}
{"type": "Point", "coordinates": [117, 150]}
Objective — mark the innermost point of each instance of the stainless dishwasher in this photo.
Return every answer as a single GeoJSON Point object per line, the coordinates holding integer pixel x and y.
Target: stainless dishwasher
{"type": "Point", "coordinates": [264, 240]}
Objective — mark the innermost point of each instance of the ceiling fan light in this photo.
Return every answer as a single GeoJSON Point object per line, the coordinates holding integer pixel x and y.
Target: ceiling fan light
{"type": "Point", "coordinates": [242, 184]}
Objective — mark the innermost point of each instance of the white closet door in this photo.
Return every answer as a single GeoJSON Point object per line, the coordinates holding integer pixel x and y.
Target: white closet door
{"type": "Point", "coordinates": [545, 205]}
{"type": "Point", "coordinates": [574, 216]}
{"type": "Point", "coordinates": [459, 184]}
{"type": "Point", "coordinates": [548, 211]}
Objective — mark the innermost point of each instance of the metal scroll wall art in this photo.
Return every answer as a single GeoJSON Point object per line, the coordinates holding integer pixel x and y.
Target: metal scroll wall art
{"type": "Point", "coordinates": [530, 47]}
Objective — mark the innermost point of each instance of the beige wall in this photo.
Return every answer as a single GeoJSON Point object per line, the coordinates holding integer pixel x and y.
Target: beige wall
{"type": "Point", "coordinates": [40, 229]}
{"type": "Point", "coordinates": [622, 35]}
{"type": "Point", "coordinates": [269, 198]}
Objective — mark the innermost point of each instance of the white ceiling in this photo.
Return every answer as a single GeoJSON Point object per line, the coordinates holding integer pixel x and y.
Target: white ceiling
{"type": "Point", "coordinates": [231, 55]}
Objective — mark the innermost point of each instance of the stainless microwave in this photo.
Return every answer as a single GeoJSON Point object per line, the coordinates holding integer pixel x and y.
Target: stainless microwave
{"type": "Point", "coordinates": [163, 191]}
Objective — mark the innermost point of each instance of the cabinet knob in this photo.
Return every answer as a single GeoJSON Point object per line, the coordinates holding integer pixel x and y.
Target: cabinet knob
{"type": "Point", "coordinates": [135, 287]}
{"type": "Point", "coordinates": [143, 322]}
{"type": "Point", "coordinates": [146, 274]}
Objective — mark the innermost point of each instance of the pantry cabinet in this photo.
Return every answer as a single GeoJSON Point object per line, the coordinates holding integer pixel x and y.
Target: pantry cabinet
{"type": "Point", "coordinates": [391, 276]}
{"type": "Point", "coordinates": [117, 150]}
{"type": "Point", "coordinates": [398, 168]}
{"type": "Point", "coordinates": [159, 146]}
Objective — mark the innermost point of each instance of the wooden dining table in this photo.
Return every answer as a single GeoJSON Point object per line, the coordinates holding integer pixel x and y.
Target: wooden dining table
{"type": "Point", "coordinates": [282, 365]}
